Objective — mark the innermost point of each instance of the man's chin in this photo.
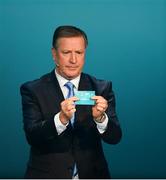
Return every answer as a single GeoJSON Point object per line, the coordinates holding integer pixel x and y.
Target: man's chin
{"type": "Point", "coordinates": [72, 76]}
{"type": "Point", "coordinates": [68, 75]}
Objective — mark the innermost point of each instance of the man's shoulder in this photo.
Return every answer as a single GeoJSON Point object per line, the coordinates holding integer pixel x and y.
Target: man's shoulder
{"type": "Point", "coordinates": [96, 81]}
{"type": "Point", "coordinates": [99, 85]}
{"type": "Point", "coordinates": [37, 83]}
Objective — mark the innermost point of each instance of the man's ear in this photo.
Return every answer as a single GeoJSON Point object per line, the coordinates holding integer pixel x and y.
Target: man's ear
{"type": "Point", "coordinates": [54, 56]}
{"type": "Point", "coordinates": [53, 53]}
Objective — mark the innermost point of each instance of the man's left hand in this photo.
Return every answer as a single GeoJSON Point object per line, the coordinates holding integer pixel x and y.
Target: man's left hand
{"type": "Point", "coordinates": [100, 107]}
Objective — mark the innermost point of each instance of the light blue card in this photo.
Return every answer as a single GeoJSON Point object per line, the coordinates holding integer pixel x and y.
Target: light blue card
{"type": "Point", "coordinates": [85, 97]}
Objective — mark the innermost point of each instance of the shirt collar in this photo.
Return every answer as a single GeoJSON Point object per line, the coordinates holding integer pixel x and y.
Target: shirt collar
{"type": "Point", "coordinates": [62, 81]}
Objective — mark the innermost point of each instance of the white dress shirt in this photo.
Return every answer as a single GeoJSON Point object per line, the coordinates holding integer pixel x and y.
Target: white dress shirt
{"type": "Point", "coordinates": [58, 124]}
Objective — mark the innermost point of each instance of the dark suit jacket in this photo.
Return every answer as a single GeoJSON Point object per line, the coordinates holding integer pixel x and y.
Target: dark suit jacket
{"type": "Point", "coordinates": [53, 155]}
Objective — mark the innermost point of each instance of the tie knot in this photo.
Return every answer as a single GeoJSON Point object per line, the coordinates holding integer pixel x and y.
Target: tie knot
{"type": "Point", "coordinates": [69, 85]}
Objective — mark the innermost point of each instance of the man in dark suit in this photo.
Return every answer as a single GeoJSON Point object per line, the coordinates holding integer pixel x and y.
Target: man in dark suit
{"type": "Point", "coordinates": [59, 148]}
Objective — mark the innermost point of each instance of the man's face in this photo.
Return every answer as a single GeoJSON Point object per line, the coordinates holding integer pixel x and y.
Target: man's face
{"type": "Point", "coordinates": [69, 56]}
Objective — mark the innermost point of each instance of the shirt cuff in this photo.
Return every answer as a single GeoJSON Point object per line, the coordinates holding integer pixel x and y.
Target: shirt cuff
{"type": "Point", "coordinates": [102, 126]}
{"type": "Point", "coordinates": [59, 126]}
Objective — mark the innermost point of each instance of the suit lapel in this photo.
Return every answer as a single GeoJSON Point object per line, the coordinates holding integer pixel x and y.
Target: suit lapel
{"type": "Point", "coordinates": [55, 91]}
{"type": "Point", "coordinates": [84, 84]}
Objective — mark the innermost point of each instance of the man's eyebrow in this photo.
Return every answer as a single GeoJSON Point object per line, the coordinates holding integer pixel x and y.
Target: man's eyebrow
{"type": "Point", "coordinates": [66, 50]}
{"type": "Point", "coordinates": [80, 50]}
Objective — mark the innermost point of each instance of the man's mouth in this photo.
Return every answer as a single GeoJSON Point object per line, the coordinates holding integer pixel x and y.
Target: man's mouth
{"type": "Point", "coordinates": [71, 67]}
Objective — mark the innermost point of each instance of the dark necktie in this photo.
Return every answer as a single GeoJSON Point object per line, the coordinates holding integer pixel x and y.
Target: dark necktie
{"type": "Point", "coordinates": [70, 87]}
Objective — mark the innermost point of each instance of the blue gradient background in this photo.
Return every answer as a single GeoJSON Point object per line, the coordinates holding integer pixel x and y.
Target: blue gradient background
{"type": "Point", "coordinates": [127, 44]}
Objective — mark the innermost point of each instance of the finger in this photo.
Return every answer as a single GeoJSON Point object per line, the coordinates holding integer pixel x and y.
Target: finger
{"type": "Point", "coordinates": [70, 113]}
{"type": "Point", "coordinates": [99, 108]}
{"type": "Point", "coordinates": [103, 101]}
{"type": "Point", "coordinates": [70, 107]}
{"type": "Point", "coordinates": [69, 103]}
{"type": "Point", "coordinates": [73, 99]}
{"type": "Point", "coordinates": [102, 104]}
{"type": "Point", "coordinates": [98, 99]}
{"type": "Point", "coordinates": [102, 107]}
{"type": "Point", "coordinates": [95, 97]}
{"type": "Point", "coordinates": [73, 110]}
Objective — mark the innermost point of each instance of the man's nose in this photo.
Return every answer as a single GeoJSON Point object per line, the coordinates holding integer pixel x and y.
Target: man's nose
{"type": "Point", "coordinates": [73, 58]}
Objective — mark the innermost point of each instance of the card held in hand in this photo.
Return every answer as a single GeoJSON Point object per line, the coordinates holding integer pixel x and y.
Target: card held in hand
{"type": "Point", "coordinates": [85, 97]}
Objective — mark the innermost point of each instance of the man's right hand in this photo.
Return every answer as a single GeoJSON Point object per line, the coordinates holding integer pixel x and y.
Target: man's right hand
{"type": "Point", "coordinates": [67, 109]}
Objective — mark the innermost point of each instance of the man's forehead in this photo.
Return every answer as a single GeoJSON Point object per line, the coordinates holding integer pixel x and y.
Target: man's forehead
{"type": "Point", "coordinates": [71, 41]}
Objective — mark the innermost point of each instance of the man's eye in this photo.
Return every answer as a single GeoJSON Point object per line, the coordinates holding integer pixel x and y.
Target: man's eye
{"type": "Point", "coordinates": [66, 52]}
{"type": "Point", "coordinates": [79, 52]}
